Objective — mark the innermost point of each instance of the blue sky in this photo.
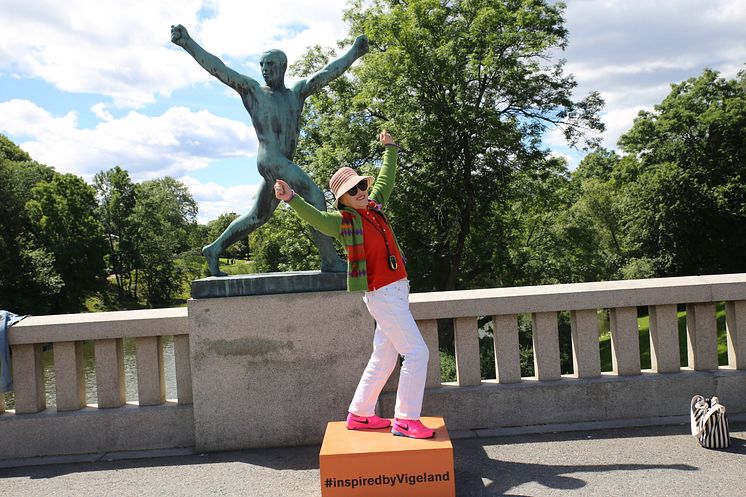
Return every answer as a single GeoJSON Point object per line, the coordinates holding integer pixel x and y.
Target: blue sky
{"type": "Point", "coordinates": [86, 85]}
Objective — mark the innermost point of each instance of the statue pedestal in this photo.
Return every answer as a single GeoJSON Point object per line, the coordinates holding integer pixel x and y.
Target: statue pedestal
{"type": "Point", "coordinates": [271, 370]}
{"type": "Point", "coordinates": [374, 462]}
{"type": "Point", "coordinates": [267, 283]}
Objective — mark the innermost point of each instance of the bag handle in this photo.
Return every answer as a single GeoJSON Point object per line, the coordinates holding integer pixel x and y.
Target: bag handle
{"type": "Point", "coordinates": [695, 400]}
{"type": "Point", "coordinates": [716, 406]}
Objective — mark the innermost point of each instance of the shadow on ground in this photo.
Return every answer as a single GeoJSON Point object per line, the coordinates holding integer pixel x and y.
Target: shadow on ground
{"type": "Point", "coordinates": [480, 474]}
{"type": "Point", "coordinates": [483, 466]}
{"type": "Point", "coordinates": [292, 459]}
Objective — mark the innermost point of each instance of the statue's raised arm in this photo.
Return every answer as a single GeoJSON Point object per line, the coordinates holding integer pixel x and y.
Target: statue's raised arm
{"type": "Point", "coordinates": [334, 69]}
{"type": "Point", "coordinates": [212, 64]}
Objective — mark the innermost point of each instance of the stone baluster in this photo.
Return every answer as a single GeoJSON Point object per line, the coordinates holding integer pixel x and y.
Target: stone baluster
{"type": "Point", "coordinates": [467, 351]}
{"type": "Point", "coordinates": [69, 374]}
{"type": "Point", "coordinates": [28, 378]}
{"type": "Point", "coordinates": [110, 387]}
{"type": "Point", "coordinates": [586, 359]}
{"type": "Point", "coordinates": [183, 369]}
{"type": "Point", "coordinates": [735, 317]}
{"type": "Point", "coordinates": [507, 348]}
{"type": "Point", "coordinates": [701, 329]}
{"type": "Point", "coordinates": [545, 336]}
{"type": "Point", "coordinates": [429, 330]}
{"type": "Point", "coordinates": [664, 339]}
{"type": "Point", "coordinates": [625, 341]}
{"type": "Point", "coordinates": [151, 383]}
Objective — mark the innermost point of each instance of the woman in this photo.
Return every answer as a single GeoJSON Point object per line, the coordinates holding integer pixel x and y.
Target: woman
{"type": "Point", "coordinates": [375, 265]}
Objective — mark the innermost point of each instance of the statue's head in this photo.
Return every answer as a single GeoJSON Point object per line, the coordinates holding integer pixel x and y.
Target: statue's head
{"type": "Point", "coordinates": [273, 63]}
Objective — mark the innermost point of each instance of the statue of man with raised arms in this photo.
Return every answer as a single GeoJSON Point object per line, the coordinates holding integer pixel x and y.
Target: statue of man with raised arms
{"type": "Point", "coordinates": [275, 112]}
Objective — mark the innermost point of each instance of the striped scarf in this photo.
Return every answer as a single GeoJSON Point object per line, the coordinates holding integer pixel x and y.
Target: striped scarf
{"type": "Point", "coordinates": [351, 234]}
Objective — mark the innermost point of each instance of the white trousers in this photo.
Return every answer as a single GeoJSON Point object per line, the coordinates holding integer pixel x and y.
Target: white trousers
{"type": "Point", "coordinates": [396, 334]}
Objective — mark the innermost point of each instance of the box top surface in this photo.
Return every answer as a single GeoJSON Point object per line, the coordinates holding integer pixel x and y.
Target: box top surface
{"type": "Point", "coordinates": [339, 440]}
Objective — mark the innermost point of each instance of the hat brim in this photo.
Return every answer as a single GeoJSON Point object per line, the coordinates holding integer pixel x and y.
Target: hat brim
{"type": "Point", "coordinates": [347, 185]}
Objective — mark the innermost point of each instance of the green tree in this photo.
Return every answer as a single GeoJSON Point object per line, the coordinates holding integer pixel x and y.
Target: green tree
{"type": "Point", "coordinates": [240, 249]}
{"type": "Point", "coordinates": [284, 243]}
{"type": "Point", "coordinates": [117, 197]}
{"type": "Point", "coordinates": [63, 221]}
{"type": "Point", "coordinates": [467, 89]}
{"type": "Point", "coordinates": [165, 213]}
{"type": "Point", "coordinates": [28, 279]}
{"type": "Point", "coordinates": [12, 152]}
{"type": "Point", "coordinates": [588, 226]}
{"type": "Point", "coordinates": [684, 195]}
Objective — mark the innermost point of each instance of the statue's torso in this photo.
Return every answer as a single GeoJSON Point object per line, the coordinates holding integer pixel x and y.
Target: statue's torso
{"type": "Point", "coordinates": [275, 115]}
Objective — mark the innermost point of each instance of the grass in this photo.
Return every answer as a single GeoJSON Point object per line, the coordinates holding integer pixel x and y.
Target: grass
{"type": "Point", "coordinates": [237, 267]}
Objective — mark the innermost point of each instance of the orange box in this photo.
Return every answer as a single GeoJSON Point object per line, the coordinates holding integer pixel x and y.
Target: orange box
{"type": "Point", "coordinates": [368, 463]}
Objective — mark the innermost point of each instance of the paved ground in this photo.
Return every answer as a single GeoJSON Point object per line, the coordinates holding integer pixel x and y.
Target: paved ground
{"type": "Point", "coordinates": [636, 462]}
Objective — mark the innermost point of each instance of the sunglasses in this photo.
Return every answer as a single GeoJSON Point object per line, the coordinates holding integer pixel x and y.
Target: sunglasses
{"type": "Point", "coordinates": [362, 186]}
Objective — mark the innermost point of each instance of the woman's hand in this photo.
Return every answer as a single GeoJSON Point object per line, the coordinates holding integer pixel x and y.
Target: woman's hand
{"type": "Point", "coordinates": [385, 138]}
{"type": "Point", "coordinates": [283, 190]}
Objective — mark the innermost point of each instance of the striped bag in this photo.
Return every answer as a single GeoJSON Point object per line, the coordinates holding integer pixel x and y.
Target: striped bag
{"type": "Point", "coordinates": [709, 423]}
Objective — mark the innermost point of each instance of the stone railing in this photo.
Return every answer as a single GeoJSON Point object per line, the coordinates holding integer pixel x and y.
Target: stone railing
{"type": "Point", "coordinates": [246, 365]}
{"type": "Point", "coordinates": [111, 424]}
{"type": "Point", "coordinates": [588, 394]}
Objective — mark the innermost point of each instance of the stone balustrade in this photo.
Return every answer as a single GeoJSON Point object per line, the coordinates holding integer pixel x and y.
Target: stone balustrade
{"type": "Point", "coordinates": [587, 394]}
{"type": "Point", "coordinates": [248, 365]}
{"type": "Point", "coordinates": [111, 424]}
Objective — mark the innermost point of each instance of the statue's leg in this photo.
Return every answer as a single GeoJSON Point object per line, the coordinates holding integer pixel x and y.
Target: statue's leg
{"type": "Point", "coordinates": [264, 206]}
{"type": "Point", "coordinates": [302, 183]}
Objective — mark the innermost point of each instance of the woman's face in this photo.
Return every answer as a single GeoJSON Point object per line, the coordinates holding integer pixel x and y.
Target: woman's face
{"type": "Point", "coordinates": [357, 201]}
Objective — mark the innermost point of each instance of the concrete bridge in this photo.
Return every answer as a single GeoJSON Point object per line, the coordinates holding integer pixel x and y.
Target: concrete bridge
{"type": "Point", "coordinates": [241, 372]}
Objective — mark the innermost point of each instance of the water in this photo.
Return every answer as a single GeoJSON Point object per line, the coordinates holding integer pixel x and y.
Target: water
{"type": "Point", "coordinates": [130, 373]}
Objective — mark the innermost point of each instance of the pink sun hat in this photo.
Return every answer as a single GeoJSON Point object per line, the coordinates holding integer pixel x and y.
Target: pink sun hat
{"type": "Point", "coordinates": [343, 180]}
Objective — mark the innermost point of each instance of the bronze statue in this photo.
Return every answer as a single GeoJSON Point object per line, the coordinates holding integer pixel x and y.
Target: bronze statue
{"type": "Point", "coordinates": [275, 113]}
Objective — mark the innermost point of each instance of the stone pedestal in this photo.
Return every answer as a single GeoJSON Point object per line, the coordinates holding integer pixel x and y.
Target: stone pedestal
{"type": "Point", "coordinates": [272, 370]}
{"type": "Point", "coordinates": [375, 462]}
{"type": "Point", "coordinates": [267, 284]}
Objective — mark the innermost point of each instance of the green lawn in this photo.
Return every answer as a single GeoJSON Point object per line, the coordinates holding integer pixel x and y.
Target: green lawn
{"type": "Point", "coordinates": [238, 266]}
{"type": "Point", "coordinates": [643, 324]}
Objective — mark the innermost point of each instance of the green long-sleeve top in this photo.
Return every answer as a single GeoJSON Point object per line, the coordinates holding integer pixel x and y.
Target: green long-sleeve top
{"type": "Point", "coordinates": [346, 225]}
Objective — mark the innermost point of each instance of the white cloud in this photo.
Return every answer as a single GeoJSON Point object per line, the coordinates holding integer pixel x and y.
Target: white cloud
{"type": "Point", "coordinates": [173, 143]}
{"type": "Point", "coordinates": [123, 49]}
{"type": "Point", "coordinates": [571, 160]}
{"type": "Point", "coordinates": [100, 111]}
{"type": "Point", "coordinates": [618, 121]}
{"type": "Point", "coordinates": [631, 51]}
{"type": "Point", "coordinates": [118, 49]}
{"type": "Point", "coordinates": [215, 199]}
{"type": "Point", "coordinates": [244, 29]}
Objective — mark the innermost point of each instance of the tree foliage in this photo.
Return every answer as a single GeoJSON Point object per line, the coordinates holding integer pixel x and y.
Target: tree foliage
{"type": "Point", "coordinates": [284, 244]}
{"type": "Point", "coordinates": [684, 185]}
{"type": "Point", "coordinates": [60, 237]}
{"type": "Point", "coordinates": [164, 214]}
{"type": "Point", "coordinates": [240, 249]}
{"type": "Point", "coordinates": [62, 216]}
{"type": "Point", "coordinates": [467, 88]}
{"type": "Point", "coordinates": [28, 279]}
{"type": "Point", "coordinates": [117, 196]}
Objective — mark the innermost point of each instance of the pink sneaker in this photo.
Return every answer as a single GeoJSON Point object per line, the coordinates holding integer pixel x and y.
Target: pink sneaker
{"type": "Point", "coordinates": [412, 428]}
{"type": "Point", "coordinates": [355, 422]}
